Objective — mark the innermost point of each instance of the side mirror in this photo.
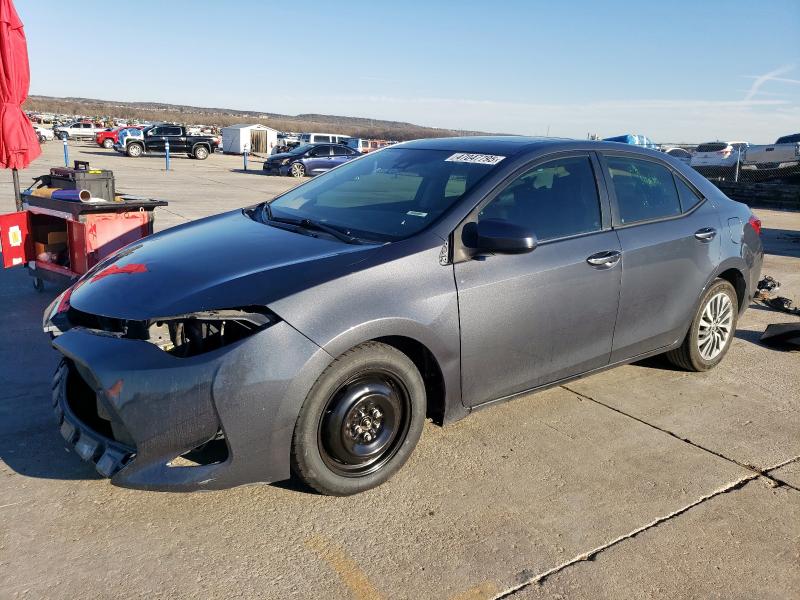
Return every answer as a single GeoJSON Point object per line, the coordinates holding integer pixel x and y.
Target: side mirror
{"type": "Point", "coordinates": [502, 237]}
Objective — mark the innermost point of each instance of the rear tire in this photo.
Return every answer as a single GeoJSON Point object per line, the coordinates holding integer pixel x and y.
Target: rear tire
{"type": "Point", "coordinates": [360, 421]}
{"type": "Point", "coordinates": [711, 332]}
{"type": "Point", "coordinates": [200, 153]}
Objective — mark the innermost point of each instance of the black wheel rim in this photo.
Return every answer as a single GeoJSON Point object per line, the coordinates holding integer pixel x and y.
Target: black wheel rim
{"type": "Point", "coordinates": [364, 423]}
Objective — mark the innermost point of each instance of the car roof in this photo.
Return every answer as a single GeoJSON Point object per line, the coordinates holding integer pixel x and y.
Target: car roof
{"type": "Point", "coordinates": [511, 145]}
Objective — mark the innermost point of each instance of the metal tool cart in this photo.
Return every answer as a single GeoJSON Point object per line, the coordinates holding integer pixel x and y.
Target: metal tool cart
{"type": "Point", "coordinates": [70, 222]}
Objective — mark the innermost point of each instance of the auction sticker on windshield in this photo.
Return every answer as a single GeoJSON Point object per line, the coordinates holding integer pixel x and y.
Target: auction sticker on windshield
{"type": "Point", "coordinates": [481, 159]}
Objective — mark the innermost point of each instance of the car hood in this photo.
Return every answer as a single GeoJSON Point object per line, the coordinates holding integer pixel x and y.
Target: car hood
{"type": "Point", "coordinates": [225, 261]}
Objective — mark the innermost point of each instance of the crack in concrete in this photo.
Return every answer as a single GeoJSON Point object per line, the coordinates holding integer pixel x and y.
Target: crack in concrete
{"type": "Point", "coordinates": [749, 467]}
{"type": "Point", "coordinates": [755, 473]}
{"type": "Point", "coordinates": [591, 554]}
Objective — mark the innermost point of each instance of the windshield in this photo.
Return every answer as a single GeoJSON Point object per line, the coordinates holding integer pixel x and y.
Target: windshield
{"type": "Point", "coordinates": [301, 149]}
{"type": "Point", "coordinates": [386, 195]}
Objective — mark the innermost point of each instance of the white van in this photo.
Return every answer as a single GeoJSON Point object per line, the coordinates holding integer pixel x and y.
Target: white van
{"type": "Point", "coordinates": [323, 138]}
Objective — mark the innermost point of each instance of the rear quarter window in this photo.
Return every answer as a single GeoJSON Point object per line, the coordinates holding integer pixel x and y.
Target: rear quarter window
{"type": "Point", "coordinates": [688, 197]}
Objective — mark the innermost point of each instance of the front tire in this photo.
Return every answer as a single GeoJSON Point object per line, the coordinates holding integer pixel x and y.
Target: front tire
{"type": "Point", "coordinates": [134, 150]}
{"type": "Point", "coordinates": [108, 143]}
{"type": "Point", "coordinates": [360, 421]}
{"type": "Point", "coordinates": [298, 170]}
{"type": "Point", "coordinates": [711, 332]}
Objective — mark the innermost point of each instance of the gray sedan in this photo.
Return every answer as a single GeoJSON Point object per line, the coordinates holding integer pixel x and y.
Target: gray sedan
{"type": "Point", "coordinates": [314, 333]}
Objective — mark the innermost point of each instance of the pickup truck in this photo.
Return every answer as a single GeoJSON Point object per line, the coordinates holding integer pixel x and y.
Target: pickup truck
{"type": "Point", "coordinates": [77, 130]}
{"type": "Point", "coordinates": [774, 160]}
{"type": "Point", "coordinates": [155, 138]}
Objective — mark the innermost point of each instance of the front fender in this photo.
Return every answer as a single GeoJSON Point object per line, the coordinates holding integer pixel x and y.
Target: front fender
{"type": "Point", "coordinates": [449, 361]}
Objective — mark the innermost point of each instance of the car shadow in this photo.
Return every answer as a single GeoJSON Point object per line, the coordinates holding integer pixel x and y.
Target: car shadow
{"type": "Point", "coordinates": [658, 362]}
{"type": "Point", "coordinates": [257, 171]}
{"type": "Point", "coordinates": [30, 443]}
{"type": "Point", "coordinates": [781, 242]}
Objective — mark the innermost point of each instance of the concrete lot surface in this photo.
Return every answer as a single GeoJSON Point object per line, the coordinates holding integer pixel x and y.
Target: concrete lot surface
{"type": "Point", "coordinates": [640, 482]}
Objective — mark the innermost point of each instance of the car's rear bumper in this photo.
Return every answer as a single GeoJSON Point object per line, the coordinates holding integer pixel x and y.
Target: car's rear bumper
{"type": "Point", "coordinates": [132, 409]}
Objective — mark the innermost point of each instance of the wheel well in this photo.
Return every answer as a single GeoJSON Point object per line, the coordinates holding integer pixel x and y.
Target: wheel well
{"type": "Point", "coordinates": [736, 279]}
{"type": "Point", "coordinates": [428, 367]}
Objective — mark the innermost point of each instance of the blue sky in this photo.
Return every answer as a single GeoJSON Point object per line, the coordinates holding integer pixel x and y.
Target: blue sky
{"type": "Point", "coordinates": [674, 70]}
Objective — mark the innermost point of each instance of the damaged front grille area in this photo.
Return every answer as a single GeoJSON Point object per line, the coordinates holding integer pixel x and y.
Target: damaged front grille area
{"type": "Point", "coordinates": [184, 335]}
{"type": "Point", "coordinates": [82, 424]}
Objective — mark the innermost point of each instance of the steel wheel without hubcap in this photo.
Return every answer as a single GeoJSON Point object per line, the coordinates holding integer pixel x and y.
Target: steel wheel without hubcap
{"type": "Point", "coordinates": [364, 424]}
{"type": "Point", "coordinates": [715, 326]}
{"type": "Point", "coordinates": [134, 150]}
{"type": "Point", "coordinates": [298, 170]}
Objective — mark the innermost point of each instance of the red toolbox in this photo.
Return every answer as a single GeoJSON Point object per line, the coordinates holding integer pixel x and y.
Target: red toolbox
{"type": "Point", "coordinates": [60, 240]}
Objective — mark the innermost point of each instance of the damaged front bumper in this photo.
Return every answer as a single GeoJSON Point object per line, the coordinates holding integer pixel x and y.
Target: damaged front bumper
{"type": "Point", "coordinates": [151, 420]}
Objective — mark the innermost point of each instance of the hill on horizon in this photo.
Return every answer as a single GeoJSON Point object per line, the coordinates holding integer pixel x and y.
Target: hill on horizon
{"type": "Point", "coordinates": [197, 115]}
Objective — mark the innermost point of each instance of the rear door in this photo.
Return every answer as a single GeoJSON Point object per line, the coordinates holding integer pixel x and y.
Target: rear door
{"type": "Point", "coordinates": [341, 154]}
{"type": "Point", "coordinates": [177, 139]}
{"type": "Point", "coordinates": [532, 319]}
{"type": "Point", "coordinates": [670, 247]}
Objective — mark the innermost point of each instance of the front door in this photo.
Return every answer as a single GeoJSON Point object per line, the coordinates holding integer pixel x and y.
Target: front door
{"type": "Point", "coordinates": [155, 140]}
{"type": "Point", "coordinates": [320, 160]}
{"type": "Point", "coordinates": [531, 319]}
{"type": "Point", "coordinates": [670, 247]}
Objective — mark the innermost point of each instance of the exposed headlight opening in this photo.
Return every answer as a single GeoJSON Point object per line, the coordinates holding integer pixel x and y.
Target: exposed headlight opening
{"type": "Point", "coordinates": [197, 333]}
{"type": "Point", "coordinates": [182, 335]}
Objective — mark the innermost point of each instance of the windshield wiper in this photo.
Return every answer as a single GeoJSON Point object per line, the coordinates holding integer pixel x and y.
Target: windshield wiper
{"type": "Point", "coordinates": [311, 224]}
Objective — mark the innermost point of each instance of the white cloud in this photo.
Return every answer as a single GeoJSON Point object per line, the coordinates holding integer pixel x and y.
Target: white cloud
{"type": "Point", "coordinates": [760, 80]}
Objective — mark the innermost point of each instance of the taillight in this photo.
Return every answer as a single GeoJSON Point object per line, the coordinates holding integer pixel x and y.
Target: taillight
{"type": "Point", "coordinates": [755, 223]}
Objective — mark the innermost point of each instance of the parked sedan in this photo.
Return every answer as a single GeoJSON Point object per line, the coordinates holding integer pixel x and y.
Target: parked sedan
{"type": "Point", "coordinates": [44, 134]}
{"type": "Point", "coordinates": [312, 334]}
{"type": "Point", "coordinates": [678, 153]}
{"type": "Point", "coordinates": [309, 159]}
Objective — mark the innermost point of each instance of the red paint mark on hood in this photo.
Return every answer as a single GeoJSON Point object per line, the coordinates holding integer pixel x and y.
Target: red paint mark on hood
{"type": "Point", "coordinates": [115, 389]}
{"type": "Point", "coordinates": [115, 270]}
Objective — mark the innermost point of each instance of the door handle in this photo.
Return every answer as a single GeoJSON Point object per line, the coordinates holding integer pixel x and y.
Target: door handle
{"type": "Point", "coordinates": [706, 234]}
{"type": "Point", "coordinates": [604, 260]}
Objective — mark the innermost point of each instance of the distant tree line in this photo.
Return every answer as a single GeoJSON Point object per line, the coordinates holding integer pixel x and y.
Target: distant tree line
{"type": "Point", "coordinates": [357, 127]}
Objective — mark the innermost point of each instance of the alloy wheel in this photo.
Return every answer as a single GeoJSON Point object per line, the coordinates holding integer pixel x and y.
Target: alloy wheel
{"type": "Point", "coordinates": [715, 327]}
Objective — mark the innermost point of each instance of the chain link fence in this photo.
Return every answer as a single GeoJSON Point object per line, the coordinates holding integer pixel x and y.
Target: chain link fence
{"type": "Point", "coordinates": [752, 174]}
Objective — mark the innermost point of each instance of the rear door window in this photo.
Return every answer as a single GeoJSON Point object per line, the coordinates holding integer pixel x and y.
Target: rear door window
{"type": "Point", "coordinates": [341, 151]}
{"type": "Point", "coordinates": [645, 190]}
{"type": "Point", "coordinates": [171, 131]}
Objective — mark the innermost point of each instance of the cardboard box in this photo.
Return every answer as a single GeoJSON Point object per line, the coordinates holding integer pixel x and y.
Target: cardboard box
{"type": "Point", "coordinates": [57, 237]}
{"type": "Point", "coordinates": [54, 248]}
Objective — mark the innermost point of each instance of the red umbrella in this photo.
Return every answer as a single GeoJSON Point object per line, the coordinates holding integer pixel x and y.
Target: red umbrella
{"type": "Point", "coordinates": [18, 141]}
